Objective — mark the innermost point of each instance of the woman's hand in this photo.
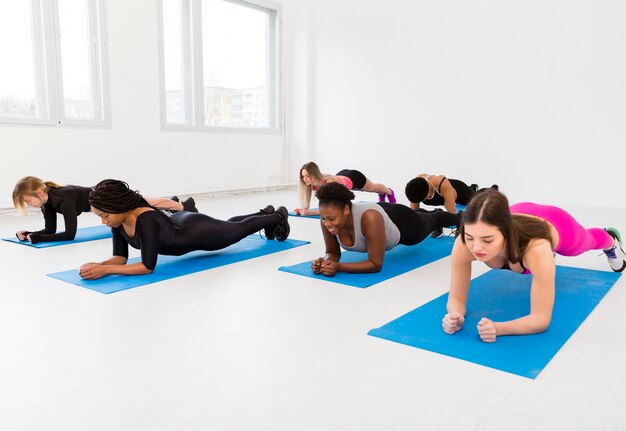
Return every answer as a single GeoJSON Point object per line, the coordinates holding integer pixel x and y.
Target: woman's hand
{"type": "Point", "coordinates": [22, 235]}
{"type": "Point", "coordinates": [92, 270]}
{"type": "Point", "coordinates": [486, 330]}
{"type": "Point", "coordinates": [316, 265]}
{"type": "Point", "coordinates": [327, 267]}
{"type": "Point", "coordinates": [324, 266]}
{"type": "Point", "coordinates": [452, 322]}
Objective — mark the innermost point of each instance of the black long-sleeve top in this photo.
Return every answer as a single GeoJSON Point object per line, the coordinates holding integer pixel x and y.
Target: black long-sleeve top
{"type": "Point", "coordinates": [70, 201]}
{"type": "Point", "coordinates": [182, 233]}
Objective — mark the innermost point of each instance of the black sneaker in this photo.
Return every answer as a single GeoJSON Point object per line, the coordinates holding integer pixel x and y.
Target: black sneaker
{"type": "Point", "coordinates": [281, 230]}
{"type": "Point", "coordinates": [175, 199]}
{"type": "Point", "coordinates": [437, 233]}
{"type": "Point", "coordinates": [269, 231]}
{"type": "Point", "coordinates": [189, 205]}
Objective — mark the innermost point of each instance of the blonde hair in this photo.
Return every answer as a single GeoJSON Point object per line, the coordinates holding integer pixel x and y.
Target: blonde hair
{"type": "Point", "coordinates": [29, 186]}
{"type": "Point", "coordinates": [305, 191]}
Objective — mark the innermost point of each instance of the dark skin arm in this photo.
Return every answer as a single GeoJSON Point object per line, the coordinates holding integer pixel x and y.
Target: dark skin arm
{"type": "Point", "coordinates": [449, 196]}
{"type": "Point", "coordinates": [373, 228]}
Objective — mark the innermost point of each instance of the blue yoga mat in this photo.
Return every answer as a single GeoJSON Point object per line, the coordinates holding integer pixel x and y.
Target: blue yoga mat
{"type": "Point", "coordinates": [502, 295]}
{"type": "Point", "coordinates": [397, 261]}
{"type": "Point", "coordinates": [293, 214]}
{"type": "Point", "coordinates": [82, 234]}
{"type": "Point", "coordinates": [175, 266]}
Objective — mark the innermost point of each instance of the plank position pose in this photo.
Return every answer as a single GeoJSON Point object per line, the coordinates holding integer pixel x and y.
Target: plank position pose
{"type": "Point", "coordinates": [134, 222]}
{"type": "Point", "coordinates": [69, 201]}
{"type": "Point", "coordinates": [311, 178]}
{"type": "Point", "coordinates": [522, 238]}
{"type": "Point", "coordinates": [368, 227]}
{"type": "Point", "coordinates": [438, 190]}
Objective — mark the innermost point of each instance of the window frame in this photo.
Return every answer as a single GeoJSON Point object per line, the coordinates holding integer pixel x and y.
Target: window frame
{"type": "Point", "coordinates": [48, 67]}
{"type": "Point", "coordinates": [191, 16]}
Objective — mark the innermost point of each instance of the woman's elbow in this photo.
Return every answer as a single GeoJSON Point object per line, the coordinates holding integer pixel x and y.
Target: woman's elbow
{"type": "Point", "coordinates": [541, 323]}
{"type": "Point", "coordinates": [147, 269]}
{"type": "Point", "coordinates": [376, 267]}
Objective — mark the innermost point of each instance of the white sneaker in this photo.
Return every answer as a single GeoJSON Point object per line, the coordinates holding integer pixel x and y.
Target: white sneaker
{"type": "Point", "coordinates": [616, 255]}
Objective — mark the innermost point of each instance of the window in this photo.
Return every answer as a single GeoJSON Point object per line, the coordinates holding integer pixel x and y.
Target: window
{"type": "Point", "coordinates": [54, 62]}
{"type": "Point", "coordinates": [220, 64]}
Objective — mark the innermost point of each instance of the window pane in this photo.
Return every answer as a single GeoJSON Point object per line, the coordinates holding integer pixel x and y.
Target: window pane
{"type": "Point", "coordinates": [235, 50]}
{"type": "Point", "coordinates": [18, 87]}
{"type": "Point", "coordinates": [77, 61]}
{"type": "Point", "coordinates": [173, 62]}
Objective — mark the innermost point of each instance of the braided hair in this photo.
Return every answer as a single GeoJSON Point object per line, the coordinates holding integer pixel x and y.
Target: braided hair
{"type": "Point", "coordinates": [115, 197]}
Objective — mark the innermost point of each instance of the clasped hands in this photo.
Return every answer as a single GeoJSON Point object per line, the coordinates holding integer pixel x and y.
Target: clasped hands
{"type": "Point", "coordinates": [453, 322]}
{"type": "Point", "coordinates": [323, 266]}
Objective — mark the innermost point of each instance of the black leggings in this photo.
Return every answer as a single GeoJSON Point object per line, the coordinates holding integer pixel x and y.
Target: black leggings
{"type": "Point", "coordinates": [208, 233]}
{"type": "Point", "coordinates": [463, 194]}
{"type": "Point", "coordinates": [357, 178]}
{"type": "Point", "coordinates": [416, 225]}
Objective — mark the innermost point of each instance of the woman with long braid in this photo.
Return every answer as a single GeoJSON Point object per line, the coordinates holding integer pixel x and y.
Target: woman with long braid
{"type": "Point", "coordinates": [134, 222]}
{"type": "Point", "coordinates": [69, 201]}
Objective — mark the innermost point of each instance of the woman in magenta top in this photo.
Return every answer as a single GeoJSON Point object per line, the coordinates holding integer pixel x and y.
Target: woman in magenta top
{"type": "Point", "coordinates": [311, 177]}
{"type": "Point", "coordinates": [522, 238]}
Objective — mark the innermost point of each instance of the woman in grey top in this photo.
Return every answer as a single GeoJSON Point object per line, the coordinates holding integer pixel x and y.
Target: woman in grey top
{"type": "Point", "coordinates": [368, 227]}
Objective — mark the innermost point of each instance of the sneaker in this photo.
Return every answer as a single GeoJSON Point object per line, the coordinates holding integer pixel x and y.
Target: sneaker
{"type": "Point", "coordinates": [615, 255]}
{"type": "Point", "coordinates": [474, 187]}
{"type": "Point", "coordinates": [392, 197]}
{"type": "Point", "coordinates": [437, 233]}
{"type": "Point", "coordinates": [614, 234]}
{"type": "Point", "coordinates": [381, 198]}
{"type": "Point", "coordinates": [189, 205]}
{"type": "Point", "coordinates": [269, 231]}
{"type": "Point", "coordinates": [281, 230]}
{"type": "Point", "coordinates": [175, 199]}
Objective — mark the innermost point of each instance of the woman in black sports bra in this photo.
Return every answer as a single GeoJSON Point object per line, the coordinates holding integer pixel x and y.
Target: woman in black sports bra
{"type": "Point", "coordinates": [134, 222]}
{"type": "Point", "coordinates": [437, 190]}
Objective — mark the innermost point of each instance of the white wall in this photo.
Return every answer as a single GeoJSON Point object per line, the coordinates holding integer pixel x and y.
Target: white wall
{"type": "Point", "coordinates": [530, 95]}
{"type": "Point", "coordinates": [134, 148]}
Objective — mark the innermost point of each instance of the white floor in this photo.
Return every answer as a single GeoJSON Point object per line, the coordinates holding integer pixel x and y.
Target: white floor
{"type": "Point", "coordinates": [246, 347]}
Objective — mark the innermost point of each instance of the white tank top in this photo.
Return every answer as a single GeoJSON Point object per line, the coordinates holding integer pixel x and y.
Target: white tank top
{"type": "Point", "coordinates": [392, 233]}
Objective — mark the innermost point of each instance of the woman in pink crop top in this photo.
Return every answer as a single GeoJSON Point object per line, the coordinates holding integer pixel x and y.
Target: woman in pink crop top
{"type": "Point", "coordinates": [311, 178]}
{"type": "Point", "coordinates": [524, 239]}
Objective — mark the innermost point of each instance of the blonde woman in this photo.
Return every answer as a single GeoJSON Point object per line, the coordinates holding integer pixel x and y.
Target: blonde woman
{"type": "Point", "coordinates": [311, 178]}
{"type": "Point", "coordinates": [69, 201]}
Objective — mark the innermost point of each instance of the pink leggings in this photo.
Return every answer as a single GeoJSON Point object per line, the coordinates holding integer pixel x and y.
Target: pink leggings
{"type": "Point", "coordinates": [573, 238]}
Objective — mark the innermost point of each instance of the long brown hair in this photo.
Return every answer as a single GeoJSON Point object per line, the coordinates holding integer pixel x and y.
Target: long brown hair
{"type": "Point", "coordinates": [29, 186]}
{"type": "Point", "coordinates": [492, 207]}
{"type": "Point", "coordinates": [304, 190]}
